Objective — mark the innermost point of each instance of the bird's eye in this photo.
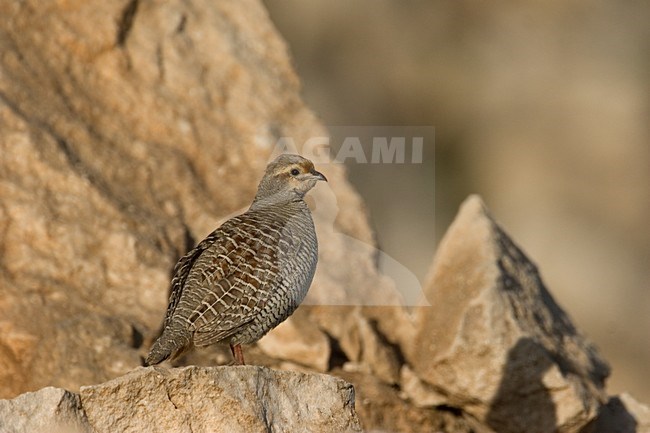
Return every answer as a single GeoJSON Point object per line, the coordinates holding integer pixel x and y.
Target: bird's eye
{"type": "Point", "coordinates": [295, 172]}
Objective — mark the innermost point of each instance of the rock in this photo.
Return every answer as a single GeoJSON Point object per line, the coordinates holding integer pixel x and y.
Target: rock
{"type": "Point", "coordinates": [125, 135]}
{"type": "Point", "coordinates": [192, 399]}
{"type": "Point", "coordinates": [420, 393]}
{"type": "Point", "coordinates": [223, 399]}
{"type": "Point", "coordinates": [381, 409]}
{"type": "Point", "coordinates": [50, 409]}
{"type": "Point", "coordinates": [299, 340]}
{"type": "Point", "coordinates": [96, 348]}
{"type": "Point", "coordinates": [495, 342]}
{"type": "Point", "coordinates": [362, 343]}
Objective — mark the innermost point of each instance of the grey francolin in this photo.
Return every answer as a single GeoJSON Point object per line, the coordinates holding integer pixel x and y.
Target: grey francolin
{"type": "Point", "coordinates": [248, 275]}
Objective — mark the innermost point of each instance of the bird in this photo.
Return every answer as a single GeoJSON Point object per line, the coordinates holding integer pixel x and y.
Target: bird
{"type": "Point", "coordinates": [248, 275]}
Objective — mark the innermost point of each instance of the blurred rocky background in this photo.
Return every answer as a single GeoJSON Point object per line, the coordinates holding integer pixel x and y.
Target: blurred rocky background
{"type": "Point", "coordinates": [541, 107]}
{"type": "Point", "coordinates": [130, 129]}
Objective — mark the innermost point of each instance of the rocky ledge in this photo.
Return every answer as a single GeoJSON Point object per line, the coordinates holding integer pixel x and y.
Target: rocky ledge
{"type": "Point", "coordinates": [191, 399]}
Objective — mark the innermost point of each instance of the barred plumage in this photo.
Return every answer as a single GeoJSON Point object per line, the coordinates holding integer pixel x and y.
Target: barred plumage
{"type": "Point", "coordinates": [251, 273]}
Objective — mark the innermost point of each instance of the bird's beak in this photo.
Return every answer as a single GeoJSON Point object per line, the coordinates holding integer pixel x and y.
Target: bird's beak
{"type": "Point", "coordinates": [318, 175]}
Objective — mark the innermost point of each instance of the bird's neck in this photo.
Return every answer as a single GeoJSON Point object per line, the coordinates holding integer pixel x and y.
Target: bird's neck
{"type": "Point", "coordinates": [278, 199]}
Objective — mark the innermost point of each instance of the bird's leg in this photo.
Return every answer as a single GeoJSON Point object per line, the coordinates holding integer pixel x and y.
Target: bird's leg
{"type": "Point", "coordinates": [238, 354]}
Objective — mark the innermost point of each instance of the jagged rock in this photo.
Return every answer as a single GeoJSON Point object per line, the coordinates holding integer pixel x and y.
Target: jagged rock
{"type": "Point", "coordinates": [495, 342]}
{"type": "Point", "coordinates": [50, 409]}
{"type": "Point", "coordinates": [223, 399]}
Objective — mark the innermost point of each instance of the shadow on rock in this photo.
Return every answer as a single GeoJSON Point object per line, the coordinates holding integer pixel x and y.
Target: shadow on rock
{"type": "Point", "coordinates": [614, 417]}
{"type": "Point", "coordinates": [523, 403]}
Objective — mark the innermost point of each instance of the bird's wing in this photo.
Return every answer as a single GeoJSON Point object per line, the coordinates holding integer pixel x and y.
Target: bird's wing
{"type": "Point", "coordinates": [253, 272]}
{"type": "Point", "coordinates": [182, 270]}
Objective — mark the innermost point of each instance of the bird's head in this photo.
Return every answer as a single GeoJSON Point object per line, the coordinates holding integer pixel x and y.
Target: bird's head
{"type": "Point", "coordinates": [288, 177]}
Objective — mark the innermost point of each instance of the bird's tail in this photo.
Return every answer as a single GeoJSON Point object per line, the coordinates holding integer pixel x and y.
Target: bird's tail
{"type": "Point", "coordinates": [169, 345]}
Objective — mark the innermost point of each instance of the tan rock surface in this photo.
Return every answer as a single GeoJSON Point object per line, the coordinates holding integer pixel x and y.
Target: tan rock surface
{"type": "Point", "coordinates": [381, 409]}
{"type": "Point", "coordinates": [496, 342]}
{"type": "Point", "coordinates": [223, 399]}
{"type": "Point", "coordinates": [192, 399]}
{"type": "Point", "coordinates": [48, 410]}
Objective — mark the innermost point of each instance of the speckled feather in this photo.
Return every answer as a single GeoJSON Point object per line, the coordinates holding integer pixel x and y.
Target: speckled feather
{"type": "Point", "coordinates": [248, 275]}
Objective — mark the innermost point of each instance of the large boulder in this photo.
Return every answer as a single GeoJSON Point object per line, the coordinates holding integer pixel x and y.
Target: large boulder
{"type": "Point", "coordinates": [495, 343]}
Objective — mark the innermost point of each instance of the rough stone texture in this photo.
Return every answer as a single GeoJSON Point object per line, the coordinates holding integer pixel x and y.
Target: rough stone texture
{"type": "Point", "coordinates": [49, 410]}
{"type": "Point", "coordinates": [223, 399]}
{"type": "Point", "coordinates": [192, 399]}
{"type": "Point", "coordinates": [495, 341]}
